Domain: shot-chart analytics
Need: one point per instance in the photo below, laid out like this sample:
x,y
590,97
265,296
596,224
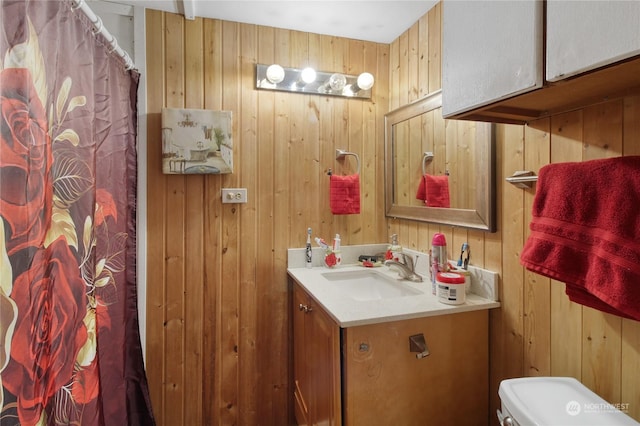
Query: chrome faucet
x,y
406,269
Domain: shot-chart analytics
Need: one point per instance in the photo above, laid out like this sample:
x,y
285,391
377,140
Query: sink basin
x,y
368,285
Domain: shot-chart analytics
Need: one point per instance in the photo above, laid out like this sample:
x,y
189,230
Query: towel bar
x,y
523,179
340,153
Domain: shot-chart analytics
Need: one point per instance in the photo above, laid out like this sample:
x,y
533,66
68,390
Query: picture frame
x,y
196,141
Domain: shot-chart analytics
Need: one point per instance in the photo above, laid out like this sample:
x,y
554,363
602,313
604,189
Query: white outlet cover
x,y
234,195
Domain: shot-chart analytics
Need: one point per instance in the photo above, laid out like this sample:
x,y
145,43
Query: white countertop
x,y
348,312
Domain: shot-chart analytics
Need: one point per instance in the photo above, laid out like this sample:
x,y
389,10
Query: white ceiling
x,y
373,20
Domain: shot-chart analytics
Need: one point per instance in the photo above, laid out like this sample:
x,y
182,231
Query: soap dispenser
x,y
394,252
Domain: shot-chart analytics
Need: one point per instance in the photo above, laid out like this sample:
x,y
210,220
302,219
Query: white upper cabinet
x,y
585,35
492,50
494,68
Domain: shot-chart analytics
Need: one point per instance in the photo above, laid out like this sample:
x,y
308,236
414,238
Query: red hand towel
x,y
344,194
585,232
434,191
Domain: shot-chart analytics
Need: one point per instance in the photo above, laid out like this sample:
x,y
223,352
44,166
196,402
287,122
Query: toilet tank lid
x,y
559,401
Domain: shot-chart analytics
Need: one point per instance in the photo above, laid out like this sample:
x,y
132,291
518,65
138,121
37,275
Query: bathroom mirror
x,y
419,142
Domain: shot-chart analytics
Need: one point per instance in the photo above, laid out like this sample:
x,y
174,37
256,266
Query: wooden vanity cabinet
x,y
316,363
374,378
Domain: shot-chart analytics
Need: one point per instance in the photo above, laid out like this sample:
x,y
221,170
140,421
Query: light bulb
x,y
275,74
308,75
337,82
365,81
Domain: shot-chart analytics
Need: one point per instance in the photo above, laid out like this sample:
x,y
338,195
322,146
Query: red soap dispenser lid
x,y
439,240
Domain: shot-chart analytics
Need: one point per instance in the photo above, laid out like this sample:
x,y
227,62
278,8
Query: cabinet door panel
x,y
316,358
300,359
324,369
386,384
492,50
585,35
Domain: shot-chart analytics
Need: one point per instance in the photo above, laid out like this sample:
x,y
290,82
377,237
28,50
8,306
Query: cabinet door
x,y
491,50
301,382
316,363
386,384
584,35
323,342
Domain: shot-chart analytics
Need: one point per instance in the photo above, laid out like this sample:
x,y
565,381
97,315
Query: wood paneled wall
x,y
218,302
218,320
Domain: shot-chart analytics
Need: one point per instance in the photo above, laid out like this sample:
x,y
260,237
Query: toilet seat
x,y
556,401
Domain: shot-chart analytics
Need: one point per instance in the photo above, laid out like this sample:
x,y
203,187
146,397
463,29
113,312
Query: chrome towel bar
x,y
523,179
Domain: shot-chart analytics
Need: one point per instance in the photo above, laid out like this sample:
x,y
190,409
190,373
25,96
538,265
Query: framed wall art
x,y
196,141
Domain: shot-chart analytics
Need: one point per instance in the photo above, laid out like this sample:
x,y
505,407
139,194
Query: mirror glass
x,y
425,155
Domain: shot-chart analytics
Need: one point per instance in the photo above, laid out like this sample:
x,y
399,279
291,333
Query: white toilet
x,y
556,401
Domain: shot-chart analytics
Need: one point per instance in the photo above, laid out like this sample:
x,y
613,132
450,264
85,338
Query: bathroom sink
x,y
368,285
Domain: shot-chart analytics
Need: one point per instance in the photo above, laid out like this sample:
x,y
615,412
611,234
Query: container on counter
x,y
450,288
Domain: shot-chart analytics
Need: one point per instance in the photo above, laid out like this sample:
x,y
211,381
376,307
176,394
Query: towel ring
x,y
427,156
340,153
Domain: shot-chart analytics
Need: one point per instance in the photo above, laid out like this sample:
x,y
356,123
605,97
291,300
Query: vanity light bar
x,y
311,82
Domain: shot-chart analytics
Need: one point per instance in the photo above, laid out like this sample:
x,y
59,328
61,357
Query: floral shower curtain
x,y
70,348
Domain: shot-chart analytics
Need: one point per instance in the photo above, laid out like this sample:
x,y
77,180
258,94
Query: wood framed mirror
x,y
419,142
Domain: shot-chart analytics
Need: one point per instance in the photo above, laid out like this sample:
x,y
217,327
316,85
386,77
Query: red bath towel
x,y
585,232
434,191
344,194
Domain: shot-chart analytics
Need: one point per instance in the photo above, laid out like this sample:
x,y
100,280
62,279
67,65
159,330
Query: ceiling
x,y
372,20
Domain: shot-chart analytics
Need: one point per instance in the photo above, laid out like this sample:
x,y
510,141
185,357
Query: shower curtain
x,y
70,348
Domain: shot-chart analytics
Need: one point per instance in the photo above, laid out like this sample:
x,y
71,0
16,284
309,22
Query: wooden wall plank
x,y
601,332
566,317
630,369
423,56
250,235
194,228
228,339
537,289
323,228
371,140
212,54
174,228
434,18
156,194
278,285
486,252
630,365
268,349
631,125
355,141
513,225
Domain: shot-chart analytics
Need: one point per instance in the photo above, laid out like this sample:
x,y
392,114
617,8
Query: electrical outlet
x,y
234,195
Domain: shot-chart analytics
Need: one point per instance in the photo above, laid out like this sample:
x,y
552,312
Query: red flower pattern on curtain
x,y
69,340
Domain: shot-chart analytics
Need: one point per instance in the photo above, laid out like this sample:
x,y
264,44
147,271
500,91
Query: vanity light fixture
x,y
310,81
